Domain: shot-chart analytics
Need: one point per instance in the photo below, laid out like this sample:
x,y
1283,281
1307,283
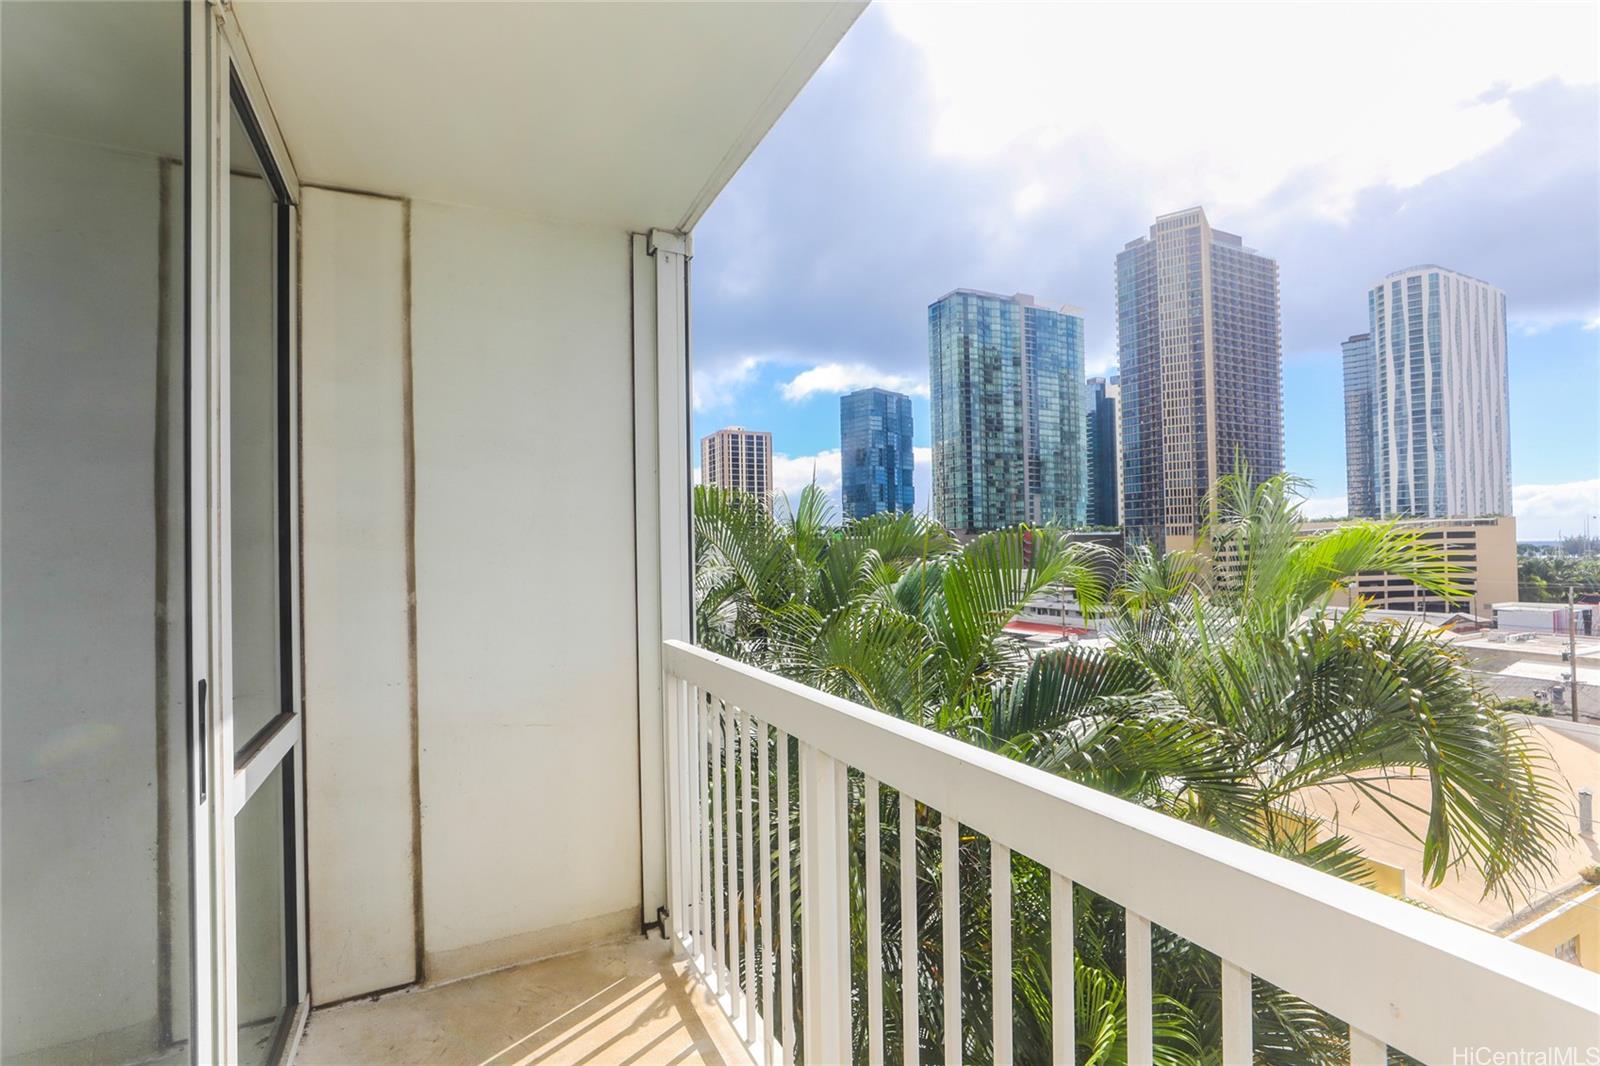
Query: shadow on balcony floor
x,y
625,1003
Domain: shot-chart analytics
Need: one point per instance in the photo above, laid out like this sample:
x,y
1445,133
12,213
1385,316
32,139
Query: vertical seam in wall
x,y
408,416
633,436
304,754
159,487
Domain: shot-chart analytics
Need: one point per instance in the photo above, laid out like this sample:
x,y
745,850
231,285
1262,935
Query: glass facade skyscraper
x,y
1105,486
1360,373
875,455
1201,358
1007,401
1442,439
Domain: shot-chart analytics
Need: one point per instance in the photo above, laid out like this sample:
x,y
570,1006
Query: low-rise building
x,y
1544,617
1484,549
1559,916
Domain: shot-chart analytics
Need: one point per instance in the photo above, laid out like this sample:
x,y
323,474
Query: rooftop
x,y
1524,605
1023,298
1421,267
1575,752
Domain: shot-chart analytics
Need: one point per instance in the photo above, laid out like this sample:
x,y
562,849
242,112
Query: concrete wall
x,y
525,600
1573,924
357,638
526,699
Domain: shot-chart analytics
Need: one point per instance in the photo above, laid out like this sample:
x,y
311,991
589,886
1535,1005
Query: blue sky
x,y
1001,147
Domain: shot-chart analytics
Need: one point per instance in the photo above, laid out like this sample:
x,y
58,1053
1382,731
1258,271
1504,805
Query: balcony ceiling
x,y
631,115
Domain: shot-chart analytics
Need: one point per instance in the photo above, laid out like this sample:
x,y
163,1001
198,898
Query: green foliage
x,y
1544,576
1226,698
1526,705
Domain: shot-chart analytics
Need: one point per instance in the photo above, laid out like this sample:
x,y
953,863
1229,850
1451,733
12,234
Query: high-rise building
x,y
875,456
738,458
1442,443
1359,410
1104,440
1007,401
1201,360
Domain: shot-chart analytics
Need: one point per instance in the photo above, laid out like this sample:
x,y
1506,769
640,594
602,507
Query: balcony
x,y
630,1002
784,800
354,726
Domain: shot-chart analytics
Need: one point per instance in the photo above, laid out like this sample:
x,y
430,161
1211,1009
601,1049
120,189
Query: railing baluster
x,y
730,878
769,998
1141,1021
702,936
825,905
785,1018
677,814
702,834
719,923
1366,1050
1238,1019
1000,939
950,916
910,1025
874,903
749,853
1063,997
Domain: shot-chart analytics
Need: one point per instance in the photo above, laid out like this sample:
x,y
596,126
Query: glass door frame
x,y
223,778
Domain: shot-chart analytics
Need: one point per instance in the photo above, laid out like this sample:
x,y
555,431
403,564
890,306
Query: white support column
x,y
824,906
662,518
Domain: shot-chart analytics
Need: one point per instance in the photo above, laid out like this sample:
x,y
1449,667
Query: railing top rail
x,y
1426,984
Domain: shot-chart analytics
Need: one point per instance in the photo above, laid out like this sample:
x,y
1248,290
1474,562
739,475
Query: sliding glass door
x,y
152,908
261,727
97,717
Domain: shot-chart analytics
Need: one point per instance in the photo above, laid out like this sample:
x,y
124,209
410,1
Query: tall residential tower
x,y
1359,409
1201,360
875,456
1441,439
738,458
1104,437
1007,402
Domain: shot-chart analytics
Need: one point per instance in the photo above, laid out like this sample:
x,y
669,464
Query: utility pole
x,y
1572,650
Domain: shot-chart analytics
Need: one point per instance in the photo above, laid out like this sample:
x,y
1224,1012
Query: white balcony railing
x,y
1402,977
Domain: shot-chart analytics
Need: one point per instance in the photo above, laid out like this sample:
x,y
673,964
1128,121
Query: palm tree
x,y
1228,694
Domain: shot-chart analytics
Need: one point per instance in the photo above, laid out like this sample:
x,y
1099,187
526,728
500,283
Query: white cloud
x,y
718,386
1547,511
1229,102
1313,507
839,378
790,474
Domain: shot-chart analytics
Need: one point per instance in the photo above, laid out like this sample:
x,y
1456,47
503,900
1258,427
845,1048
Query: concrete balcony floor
x,y
623,1003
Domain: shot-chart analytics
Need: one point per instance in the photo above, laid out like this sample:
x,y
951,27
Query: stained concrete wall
x,y
357,638
526,704
525,597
